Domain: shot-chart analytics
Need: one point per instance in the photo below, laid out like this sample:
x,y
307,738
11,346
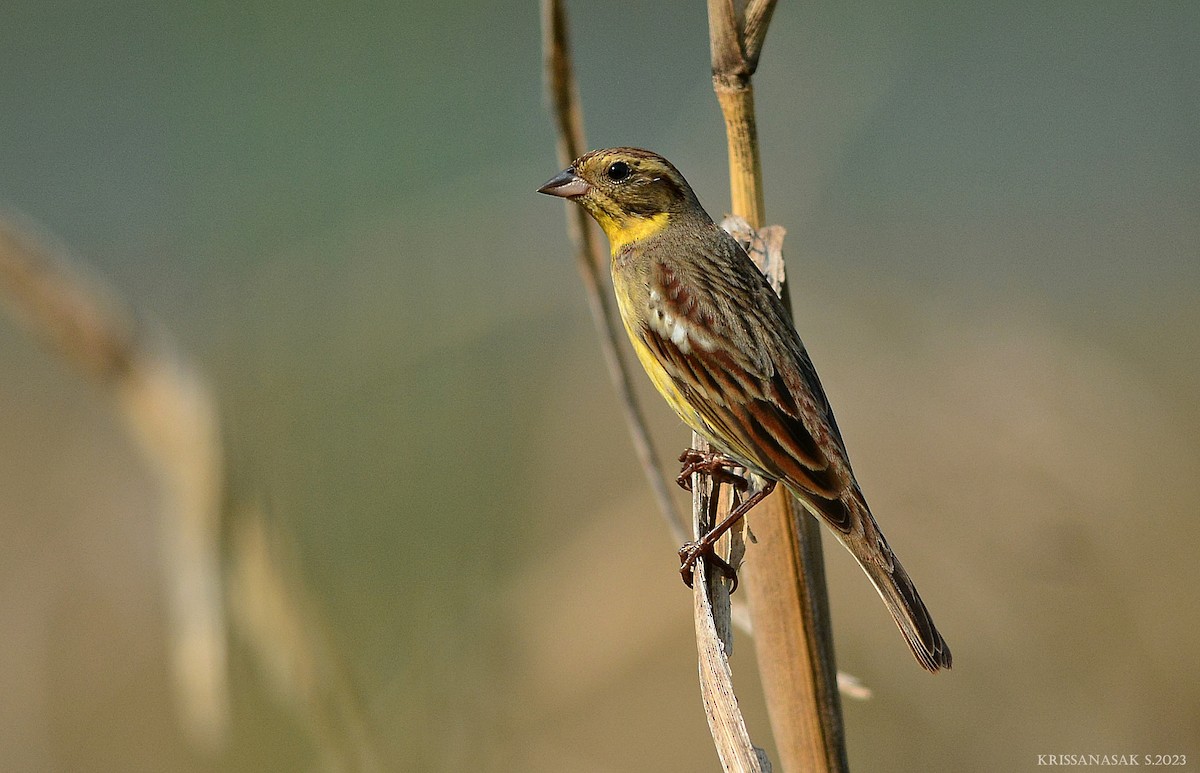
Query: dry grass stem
x,y
568,117
714,641
788,599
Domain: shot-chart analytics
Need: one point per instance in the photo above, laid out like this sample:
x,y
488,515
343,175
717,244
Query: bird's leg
x,y
716,464
692,551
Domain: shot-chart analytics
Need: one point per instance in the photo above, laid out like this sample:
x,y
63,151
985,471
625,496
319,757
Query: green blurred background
x,y
994,218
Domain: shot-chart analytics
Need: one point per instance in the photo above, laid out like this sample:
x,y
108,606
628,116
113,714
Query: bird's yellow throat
x,y
627,230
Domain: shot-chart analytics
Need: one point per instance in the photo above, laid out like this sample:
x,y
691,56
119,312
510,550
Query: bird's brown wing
x,y
743,368
741,365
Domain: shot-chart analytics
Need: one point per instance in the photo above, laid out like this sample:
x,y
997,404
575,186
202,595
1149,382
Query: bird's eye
x,y
618,171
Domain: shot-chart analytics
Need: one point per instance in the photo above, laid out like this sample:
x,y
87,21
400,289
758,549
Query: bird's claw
x,y
691,552
713,463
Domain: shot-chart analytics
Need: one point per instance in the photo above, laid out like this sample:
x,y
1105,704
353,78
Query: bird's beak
x,y
566,184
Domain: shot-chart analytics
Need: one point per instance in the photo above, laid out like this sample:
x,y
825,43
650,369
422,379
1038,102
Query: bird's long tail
x,y
852,523
902,600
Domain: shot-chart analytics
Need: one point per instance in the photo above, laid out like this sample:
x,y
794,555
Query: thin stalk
x,y
786,584
568,117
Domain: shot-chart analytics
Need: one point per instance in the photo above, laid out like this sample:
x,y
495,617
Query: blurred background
x,y
993,216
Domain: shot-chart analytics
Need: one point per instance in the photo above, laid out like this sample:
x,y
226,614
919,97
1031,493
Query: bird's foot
x,y
691,552
713,463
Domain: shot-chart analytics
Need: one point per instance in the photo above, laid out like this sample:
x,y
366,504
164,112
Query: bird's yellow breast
x,y
659,376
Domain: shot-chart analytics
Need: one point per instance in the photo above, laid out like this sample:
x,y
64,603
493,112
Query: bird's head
x,y
631,193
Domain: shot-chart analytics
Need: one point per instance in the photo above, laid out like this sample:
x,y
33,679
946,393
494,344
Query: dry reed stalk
x,y
789,603
568,118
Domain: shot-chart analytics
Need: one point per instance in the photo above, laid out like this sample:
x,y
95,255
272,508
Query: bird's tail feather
x,y
910,614
849,518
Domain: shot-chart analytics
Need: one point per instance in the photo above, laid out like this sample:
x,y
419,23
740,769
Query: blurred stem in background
x,y
170,411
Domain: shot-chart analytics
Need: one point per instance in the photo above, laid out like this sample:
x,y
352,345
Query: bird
x,y
719,345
